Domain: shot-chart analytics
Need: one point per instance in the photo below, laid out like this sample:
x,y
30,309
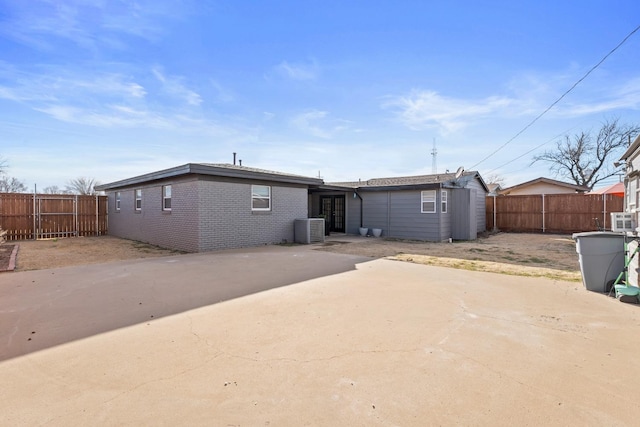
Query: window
x,y
260,198
443,200
117,201
166,198
428,201
138,193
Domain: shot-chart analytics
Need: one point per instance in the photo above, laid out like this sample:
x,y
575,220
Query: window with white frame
x,y
443,201
260,198
166,197
138,197
428,201
118,201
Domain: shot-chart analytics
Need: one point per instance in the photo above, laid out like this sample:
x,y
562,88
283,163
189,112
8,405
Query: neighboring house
x,y
631,161
542,186
201,207
616,189
428,207
494,189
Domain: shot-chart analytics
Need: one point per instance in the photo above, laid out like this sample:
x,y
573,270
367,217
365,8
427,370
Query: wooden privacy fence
x,y
43,216
552,213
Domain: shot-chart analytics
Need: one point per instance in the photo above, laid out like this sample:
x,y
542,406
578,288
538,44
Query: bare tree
x,y
587,159
82,185
494,178
11,185
54,189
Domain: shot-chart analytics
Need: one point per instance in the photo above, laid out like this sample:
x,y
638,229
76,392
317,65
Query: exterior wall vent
x,y
623,221
309,230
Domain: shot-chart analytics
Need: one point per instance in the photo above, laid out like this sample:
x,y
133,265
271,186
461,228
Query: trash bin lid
x,y
598,234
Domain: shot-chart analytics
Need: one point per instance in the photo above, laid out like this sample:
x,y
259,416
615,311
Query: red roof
x,y
616,189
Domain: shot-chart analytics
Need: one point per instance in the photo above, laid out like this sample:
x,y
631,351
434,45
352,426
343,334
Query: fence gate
x,y
56,216
47,216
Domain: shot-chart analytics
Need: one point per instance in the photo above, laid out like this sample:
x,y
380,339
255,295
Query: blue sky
x,y
349,90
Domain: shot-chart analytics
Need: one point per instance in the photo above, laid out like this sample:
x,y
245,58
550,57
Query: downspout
x,y
359,197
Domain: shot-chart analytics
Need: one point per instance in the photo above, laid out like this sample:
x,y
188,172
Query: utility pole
x,y
434,160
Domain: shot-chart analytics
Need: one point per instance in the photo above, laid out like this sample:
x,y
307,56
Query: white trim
x,y
428,196
443,201
166,198
256,197
136,198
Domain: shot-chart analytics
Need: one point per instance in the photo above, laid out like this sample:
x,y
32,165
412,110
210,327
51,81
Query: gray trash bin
x,y
601,255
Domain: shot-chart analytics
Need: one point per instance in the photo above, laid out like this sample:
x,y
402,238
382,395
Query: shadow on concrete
x,y
45,308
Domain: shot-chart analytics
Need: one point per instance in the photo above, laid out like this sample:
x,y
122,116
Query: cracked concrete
x,y
388,343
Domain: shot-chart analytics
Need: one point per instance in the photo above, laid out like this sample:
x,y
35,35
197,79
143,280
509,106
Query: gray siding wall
x,y
176,229
227,221
464,214
446,219
353,214
376,208
398,214
481,208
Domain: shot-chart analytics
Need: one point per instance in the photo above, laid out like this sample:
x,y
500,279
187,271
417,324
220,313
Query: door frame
x,y
333,224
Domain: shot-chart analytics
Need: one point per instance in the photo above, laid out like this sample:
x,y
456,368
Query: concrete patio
x,y
353,342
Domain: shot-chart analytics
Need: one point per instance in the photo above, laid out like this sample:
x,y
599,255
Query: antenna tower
x,y
434,160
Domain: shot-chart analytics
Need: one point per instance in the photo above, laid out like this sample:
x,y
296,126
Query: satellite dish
x,y
459,172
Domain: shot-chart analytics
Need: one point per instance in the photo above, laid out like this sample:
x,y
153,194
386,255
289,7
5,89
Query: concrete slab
x,y
389,343
40,309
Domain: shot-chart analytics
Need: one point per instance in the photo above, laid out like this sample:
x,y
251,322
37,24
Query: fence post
x,y
495,214
604,211
543,218
35,213
97,220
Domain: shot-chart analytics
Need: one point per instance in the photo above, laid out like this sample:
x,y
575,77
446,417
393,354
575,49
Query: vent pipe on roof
x,y
234,158
240,161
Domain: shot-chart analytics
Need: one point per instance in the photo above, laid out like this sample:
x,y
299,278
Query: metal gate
x,y
55,216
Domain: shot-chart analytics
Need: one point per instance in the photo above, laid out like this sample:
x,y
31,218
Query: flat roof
x,y
213,169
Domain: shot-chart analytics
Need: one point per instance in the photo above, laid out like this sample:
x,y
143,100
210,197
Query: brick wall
x,y
227,221
176,229
207,215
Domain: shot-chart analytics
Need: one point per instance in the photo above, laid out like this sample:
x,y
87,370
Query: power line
x,y
559,99
533,149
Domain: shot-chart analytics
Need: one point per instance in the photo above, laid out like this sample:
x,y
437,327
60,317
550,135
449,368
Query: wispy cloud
x,y
317,123
623,97
428,109
85,23
299,71
49,84
174,86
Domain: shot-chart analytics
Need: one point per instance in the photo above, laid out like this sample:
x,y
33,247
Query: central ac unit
x,y
309,230
623,221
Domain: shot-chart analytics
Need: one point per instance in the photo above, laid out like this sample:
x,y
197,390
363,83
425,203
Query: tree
x,y
82,185
54,189
494,178
587,159
11,185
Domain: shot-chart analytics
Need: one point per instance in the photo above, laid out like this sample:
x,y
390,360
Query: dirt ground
x,y
53,253
538,255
